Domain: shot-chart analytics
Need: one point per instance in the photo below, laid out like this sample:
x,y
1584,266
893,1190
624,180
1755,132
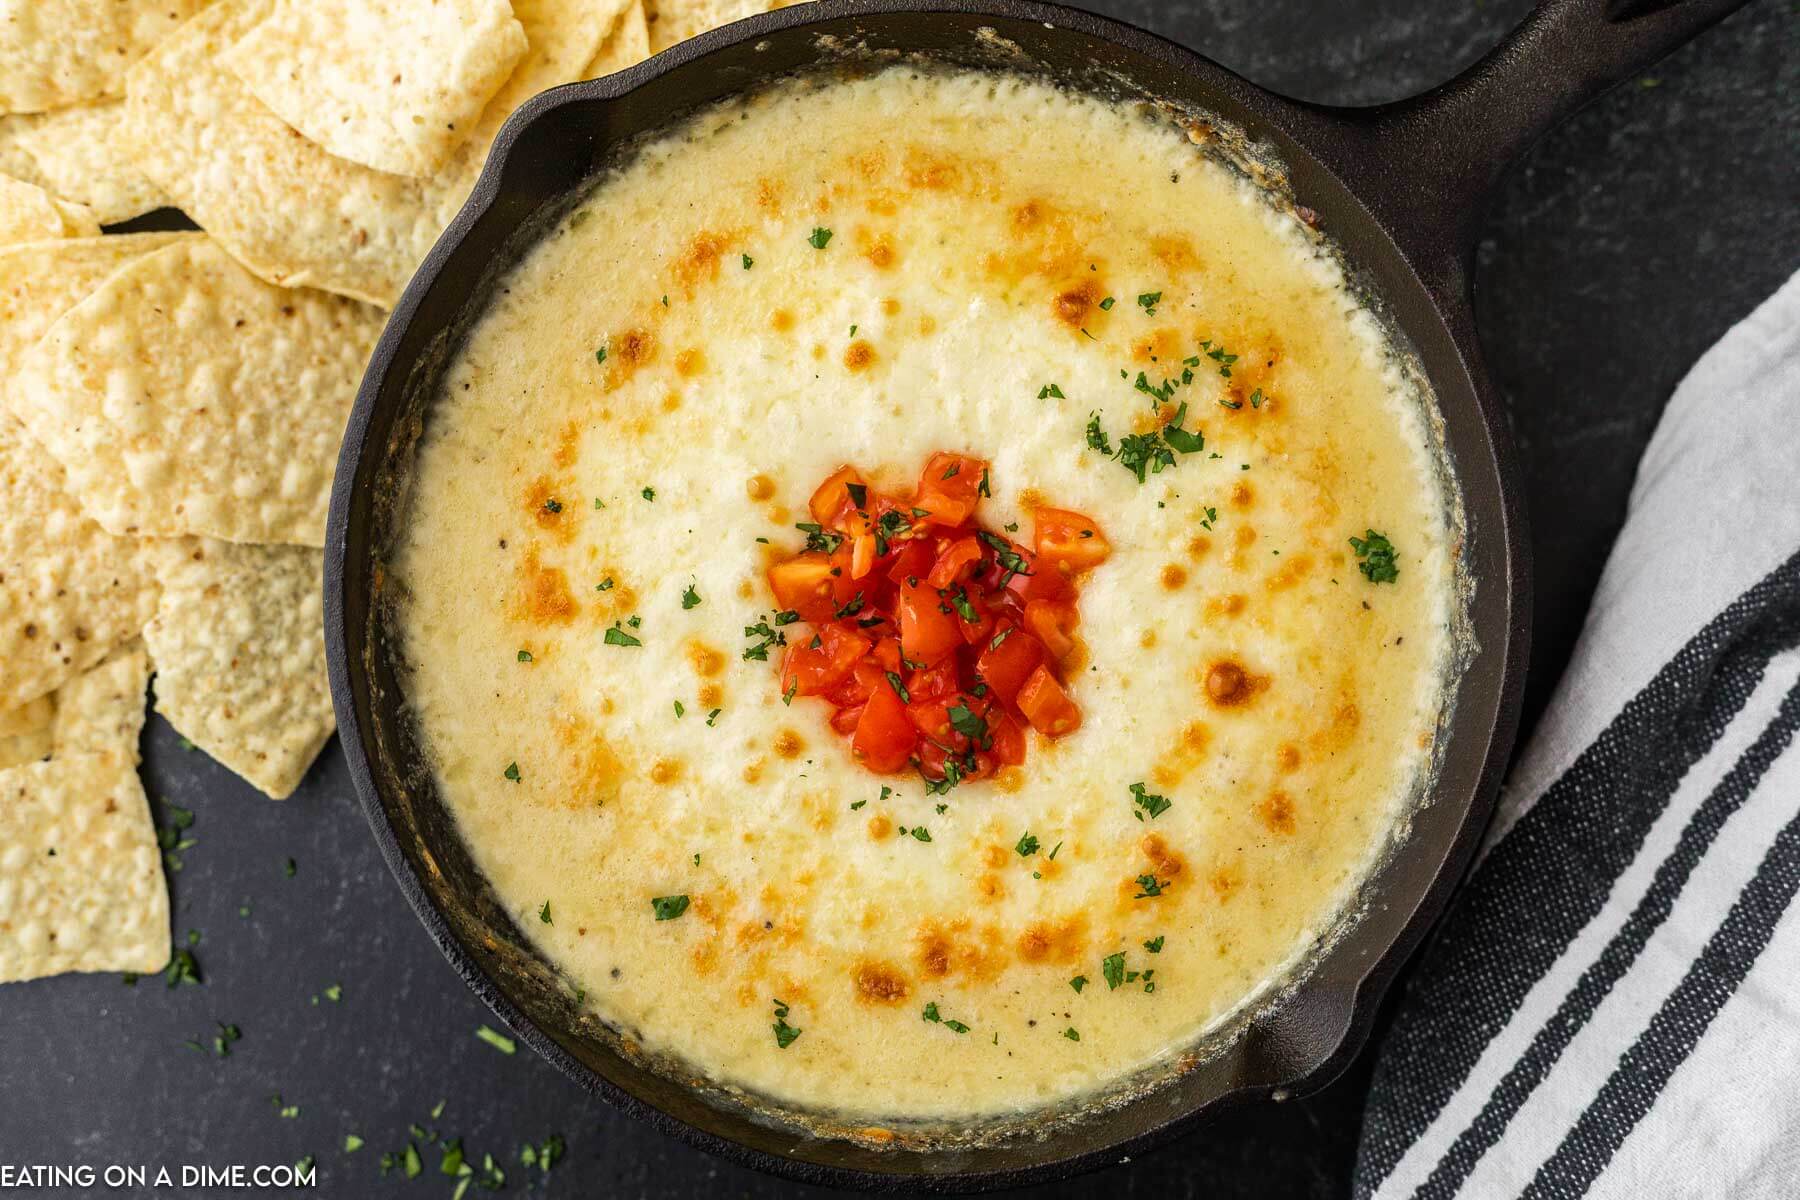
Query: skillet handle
x,y
1427,164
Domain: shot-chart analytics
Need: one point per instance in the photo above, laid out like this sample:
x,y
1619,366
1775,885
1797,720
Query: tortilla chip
x,y
40,281
80,153
58,52
239,647
102,710
674,21
392,84
15,159
69,591
627,44
30,214
25,732
184,395
291,212
81,882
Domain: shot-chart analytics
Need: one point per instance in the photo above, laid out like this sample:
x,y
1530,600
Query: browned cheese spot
x,y
789,744
544,596
665,770
1277,812
1059,941
1287,756
700,261
1073,305
1174,577
551,507
880,826
759,487
627,352
880,983
690,362
859,355
781,320
1229,685
706,660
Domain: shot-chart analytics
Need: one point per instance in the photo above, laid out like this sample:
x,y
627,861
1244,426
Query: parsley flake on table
x,y
498,1041
1377,557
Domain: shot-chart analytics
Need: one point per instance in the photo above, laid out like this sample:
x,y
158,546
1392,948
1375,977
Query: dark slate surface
x,y
1629,240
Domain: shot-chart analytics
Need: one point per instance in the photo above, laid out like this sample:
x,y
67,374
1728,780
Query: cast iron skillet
x,y
1398,188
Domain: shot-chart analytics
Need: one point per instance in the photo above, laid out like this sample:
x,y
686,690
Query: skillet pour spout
x,y
1397,189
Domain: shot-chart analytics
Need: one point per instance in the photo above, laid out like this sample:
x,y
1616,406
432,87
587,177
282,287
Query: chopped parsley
x,y
1148,302
691,597
648,493
605,585
512,772
1145,802
1106,304
544,914
1378,557
616,636
524,656
1071,1034
1096,436
819,237
1028,846
498,1041
784,1033
931,1014
667,908
894,682
1220,355
1079,982
680,710
748,262
1050,391
769,637
553,505
971,725
1148,886
600,355
921,834
1010,560
959,598
1112,968
1155,944
819,538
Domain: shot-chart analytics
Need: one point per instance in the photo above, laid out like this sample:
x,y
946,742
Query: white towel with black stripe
x,y
1612,1008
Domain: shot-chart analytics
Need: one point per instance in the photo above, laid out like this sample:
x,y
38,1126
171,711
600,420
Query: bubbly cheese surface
x,y
866,271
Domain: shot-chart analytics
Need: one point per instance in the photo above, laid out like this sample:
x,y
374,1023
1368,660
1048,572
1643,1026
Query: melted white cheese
x,y
975,222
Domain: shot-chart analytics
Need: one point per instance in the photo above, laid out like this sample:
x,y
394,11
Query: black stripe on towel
x,y
1652,910
1677,1027
1548,877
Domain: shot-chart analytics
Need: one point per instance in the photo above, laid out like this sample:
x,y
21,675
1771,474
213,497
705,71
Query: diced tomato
x,y
1047,706
927,632
809,669
1069,541
1007,739
831,502
1038,581
1053,623
805,584
956,563
944,679
912,561
934,640
949,488
884,737
1007,660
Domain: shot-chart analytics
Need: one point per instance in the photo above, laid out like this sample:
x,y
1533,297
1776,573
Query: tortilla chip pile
x,y
171,403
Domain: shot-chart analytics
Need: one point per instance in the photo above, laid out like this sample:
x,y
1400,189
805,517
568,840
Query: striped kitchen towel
x,y
1612,1007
